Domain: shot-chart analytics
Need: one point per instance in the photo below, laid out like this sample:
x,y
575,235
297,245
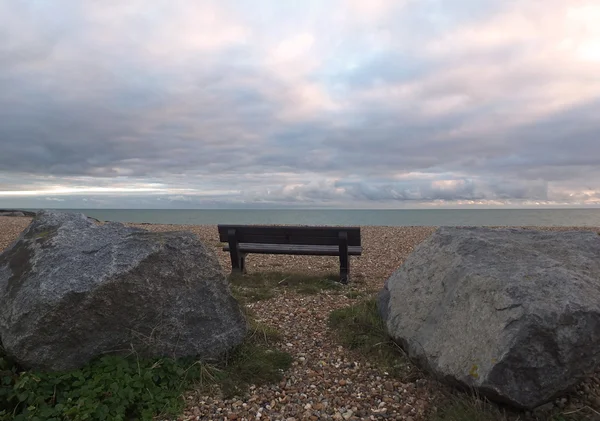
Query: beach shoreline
x,y
325,379
384,249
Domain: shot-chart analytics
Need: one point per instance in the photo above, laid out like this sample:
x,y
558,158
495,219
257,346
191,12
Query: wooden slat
x,y
290,234
300,249
290,239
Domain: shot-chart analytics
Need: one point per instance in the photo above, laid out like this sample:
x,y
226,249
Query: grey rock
x,y
512,313
547,407
383,299
71,290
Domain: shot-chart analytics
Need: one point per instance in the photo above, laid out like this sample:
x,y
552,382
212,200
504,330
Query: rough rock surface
x,y
71,290
513,313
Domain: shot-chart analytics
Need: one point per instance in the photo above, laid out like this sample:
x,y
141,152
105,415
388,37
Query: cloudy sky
x,y
350,103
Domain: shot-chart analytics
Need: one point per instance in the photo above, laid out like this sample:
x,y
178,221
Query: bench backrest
x,y
268,234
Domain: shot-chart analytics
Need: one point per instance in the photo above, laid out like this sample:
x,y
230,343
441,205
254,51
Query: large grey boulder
x,y
71,290
512,313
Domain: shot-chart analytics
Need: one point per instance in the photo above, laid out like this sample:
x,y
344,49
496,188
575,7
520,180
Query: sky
x,y
311,103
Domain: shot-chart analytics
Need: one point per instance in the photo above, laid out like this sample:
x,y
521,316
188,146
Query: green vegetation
x,y
353,294
131,388
469,407
264,285
261,333
252,364
360,328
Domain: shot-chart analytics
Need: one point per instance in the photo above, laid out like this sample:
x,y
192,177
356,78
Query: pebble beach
x,y
326,381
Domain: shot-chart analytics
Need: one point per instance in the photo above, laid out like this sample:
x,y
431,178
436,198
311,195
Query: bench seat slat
x,y
290,234
301,249
290,239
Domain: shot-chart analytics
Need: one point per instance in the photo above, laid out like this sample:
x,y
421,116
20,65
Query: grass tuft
x,y
459,406
247,295
353,295
469,407
360,328
261,333
259,286
253,364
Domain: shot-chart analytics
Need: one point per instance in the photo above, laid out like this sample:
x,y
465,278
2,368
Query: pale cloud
x,y
293,48
372,12
173,30
538,45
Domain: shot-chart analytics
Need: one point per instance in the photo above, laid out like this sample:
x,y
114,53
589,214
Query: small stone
x,y
342,382
348,414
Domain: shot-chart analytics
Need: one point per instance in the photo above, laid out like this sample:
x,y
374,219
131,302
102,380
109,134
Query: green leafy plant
x,y
131,388
109,387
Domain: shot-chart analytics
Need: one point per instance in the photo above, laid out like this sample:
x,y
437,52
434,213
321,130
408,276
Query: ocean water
x,y
404,217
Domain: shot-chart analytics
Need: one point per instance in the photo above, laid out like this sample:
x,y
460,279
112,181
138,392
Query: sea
x,y
354,217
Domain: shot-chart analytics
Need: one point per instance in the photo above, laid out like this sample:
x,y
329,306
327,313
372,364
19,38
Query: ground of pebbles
x,y
326,381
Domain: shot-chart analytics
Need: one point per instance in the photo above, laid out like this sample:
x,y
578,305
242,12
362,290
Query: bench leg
x,y
243,262
344,258
238,262
344,269
238,259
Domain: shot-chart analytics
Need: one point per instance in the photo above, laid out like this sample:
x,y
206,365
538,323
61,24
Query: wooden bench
x,y
316,241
